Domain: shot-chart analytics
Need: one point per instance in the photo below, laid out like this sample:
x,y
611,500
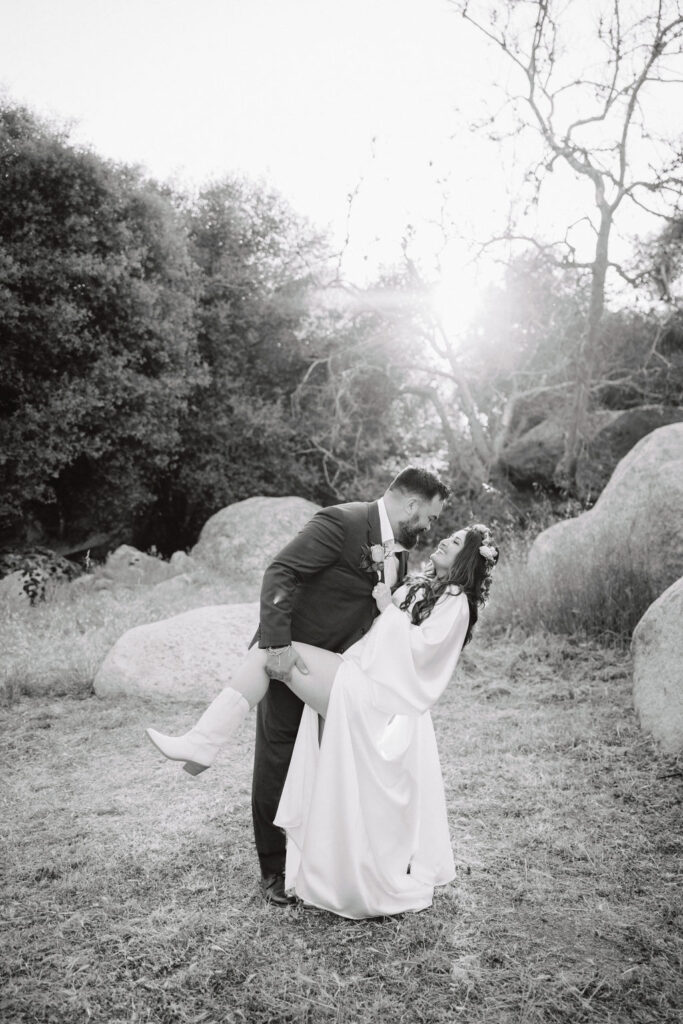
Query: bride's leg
x,y
315,688
199,746
250,679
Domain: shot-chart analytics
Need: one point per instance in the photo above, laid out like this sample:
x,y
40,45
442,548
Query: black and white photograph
x,y
341,511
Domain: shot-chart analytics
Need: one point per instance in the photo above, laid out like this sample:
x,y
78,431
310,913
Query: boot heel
x,y
193,768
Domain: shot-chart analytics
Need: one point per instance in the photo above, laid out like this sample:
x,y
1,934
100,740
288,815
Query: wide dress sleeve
x,y
409,666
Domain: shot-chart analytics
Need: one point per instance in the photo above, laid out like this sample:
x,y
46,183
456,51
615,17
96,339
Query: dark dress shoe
x,y
274,891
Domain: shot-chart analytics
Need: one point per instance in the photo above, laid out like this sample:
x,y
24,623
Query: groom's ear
x,y
411,503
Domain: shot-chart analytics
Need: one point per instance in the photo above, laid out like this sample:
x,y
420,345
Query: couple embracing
x,y
348,803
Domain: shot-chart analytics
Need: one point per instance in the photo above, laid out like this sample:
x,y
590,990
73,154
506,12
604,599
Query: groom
x,y
318,590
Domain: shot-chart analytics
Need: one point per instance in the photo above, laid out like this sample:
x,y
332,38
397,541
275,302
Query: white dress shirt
x,y
390,544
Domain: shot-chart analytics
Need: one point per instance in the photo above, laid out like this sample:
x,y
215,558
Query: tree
x,y
346,401
588,98
97,335
461,402
152,347
239,436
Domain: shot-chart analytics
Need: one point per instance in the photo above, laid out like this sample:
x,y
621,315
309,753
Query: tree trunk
x,y
587,355
480,443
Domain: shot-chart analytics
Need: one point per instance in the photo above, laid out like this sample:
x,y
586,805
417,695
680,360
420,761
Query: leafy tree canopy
x,y
97,331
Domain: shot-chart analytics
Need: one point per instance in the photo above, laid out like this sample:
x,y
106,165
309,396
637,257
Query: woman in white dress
x,y
364,808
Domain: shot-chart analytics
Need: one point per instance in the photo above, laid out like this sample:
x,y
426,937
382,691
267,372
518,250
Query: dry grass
x,y
57,646
583,598
130,889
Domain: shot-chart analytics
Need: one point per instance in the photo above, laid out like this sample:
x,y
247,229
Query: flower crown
x,y
487,549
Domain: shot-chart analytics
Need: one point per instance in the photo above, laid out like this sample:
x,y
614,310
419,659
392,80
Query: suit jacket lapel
x,y
374,528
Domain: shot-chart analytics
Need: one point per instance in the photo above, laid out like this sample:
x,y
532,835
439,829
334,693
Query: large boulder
x,y
614,440
192,655
530,409
242,539
531,459
657,647
634,530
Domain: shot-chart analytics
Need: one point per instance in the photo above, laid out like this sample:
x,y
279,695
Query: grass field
x,y
130,892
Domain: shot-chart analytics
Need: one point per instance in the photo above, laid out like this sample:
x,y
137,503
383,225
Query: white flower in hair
x,y
488,552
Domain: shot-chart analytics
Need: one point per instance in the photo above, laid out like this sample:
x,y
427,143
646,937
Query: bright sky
x,y
294,91
316,97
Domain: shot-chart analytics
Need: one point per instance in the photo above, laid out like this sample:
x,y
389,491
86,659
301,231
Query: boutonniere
x,y
372,559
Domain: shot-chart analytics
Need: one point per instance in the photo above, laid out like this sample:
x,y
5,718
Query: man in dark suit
x,y
318,590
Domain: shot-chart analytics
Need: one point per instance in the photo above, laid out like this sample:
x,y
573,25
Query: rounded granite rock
x,y
657,647
634,530
188,656
242,539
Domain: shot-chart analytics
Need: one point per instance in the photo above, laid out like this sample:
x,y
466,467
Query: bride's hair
x,y
470,572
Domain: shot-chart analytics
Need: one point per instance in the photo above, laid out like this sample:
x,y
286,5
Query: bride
x,y
363,807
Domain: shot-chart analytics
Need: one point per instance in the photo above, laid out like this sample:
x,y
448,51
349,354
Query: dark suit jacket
x,y
315,590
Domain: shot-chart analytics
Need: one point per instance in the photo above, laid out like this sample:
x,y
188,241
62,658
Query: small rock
x,y
497,691
12,593
181,562
129,567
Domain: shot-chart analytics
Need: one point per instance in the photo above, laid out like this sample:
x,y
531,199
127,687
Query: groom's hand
x,y
281,660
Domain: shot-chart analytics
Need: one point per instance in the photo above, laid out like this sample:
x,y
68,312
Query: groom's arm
x,y
316,547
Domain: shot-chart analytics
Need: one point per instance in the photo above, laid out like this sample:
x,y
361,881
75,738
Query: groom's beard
x,y
409,532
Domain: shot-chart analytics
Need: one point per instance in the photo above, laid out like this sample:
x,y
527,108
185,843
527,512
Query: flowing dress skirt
x,y
364,809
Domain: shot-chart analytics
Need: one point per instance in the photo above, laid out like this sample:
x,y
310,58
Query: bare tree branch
x,y
636,55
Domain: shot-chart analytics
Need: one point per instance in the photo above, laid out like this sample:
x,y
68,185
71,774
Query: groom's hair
x,y
413,480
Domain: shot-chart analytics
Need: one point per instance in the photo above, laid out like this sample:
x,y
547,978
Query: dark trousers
x,y
277,723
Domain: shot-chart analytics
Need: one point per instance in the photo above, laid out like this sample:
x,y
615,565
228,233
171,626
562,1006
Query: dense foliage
x,y
98,341
166,355
153,347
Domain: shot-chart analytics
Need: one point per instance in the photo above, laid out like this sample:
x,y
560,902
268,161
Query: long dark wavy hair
x,y
470,573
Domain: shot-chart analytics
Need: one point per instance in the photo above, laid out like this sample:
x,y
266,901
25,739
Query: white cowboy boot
x,y
199,746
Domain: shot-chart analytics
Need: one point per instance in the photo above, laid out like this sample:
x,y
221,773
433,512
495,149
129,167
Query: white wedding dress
x,y
364,810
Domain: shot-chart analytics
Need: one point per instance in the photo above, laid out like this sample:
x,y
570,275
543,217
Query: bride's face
x,y
447,551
